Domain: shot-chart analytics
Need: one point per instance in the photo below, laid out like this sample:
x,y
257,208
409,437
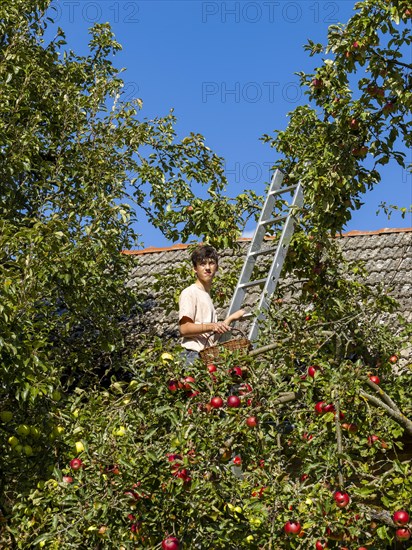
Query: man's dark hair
x,y
204,252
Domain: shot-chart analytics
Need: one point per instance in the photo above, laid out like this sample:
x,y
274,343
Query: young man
x,y
198,324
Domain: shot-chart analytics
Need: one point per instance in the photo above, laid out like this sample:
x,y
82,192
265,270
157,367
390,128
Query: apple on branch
x,y
187,382
216,402
252,421
76,464
402,533
312,370
400,517
317,83
388,108
233,401
292,527
170,543
341,498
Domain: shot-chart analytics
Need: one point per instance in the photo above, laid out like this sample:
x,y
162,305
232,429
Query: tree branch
x,y
399,417
338,437
384,396
292,396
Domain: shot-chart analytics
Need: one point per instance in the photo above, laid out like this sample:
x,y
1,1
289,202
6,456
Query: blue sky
x,y
227,68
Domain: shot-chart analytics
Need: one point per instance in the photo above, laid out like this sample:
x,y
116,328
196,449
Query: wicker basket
x,y
212,353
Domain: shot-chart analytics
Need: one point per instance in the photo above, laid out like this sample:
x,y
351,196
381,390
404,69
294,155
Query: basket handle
x,y
232,329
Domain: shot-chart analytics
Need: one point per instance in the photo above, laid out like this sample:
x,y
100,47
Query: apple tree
x,y
359,115
77,163
297,445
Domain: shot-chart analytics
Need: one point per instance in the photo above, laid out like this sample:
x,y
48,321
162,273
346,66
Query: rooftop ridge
x,y
353,233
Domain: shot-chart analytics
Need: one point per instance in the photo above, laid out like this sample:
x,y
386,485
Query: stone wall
x,y
387,256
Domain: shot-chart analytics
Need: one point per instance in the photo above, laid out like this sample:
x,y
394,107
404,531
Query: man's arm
x,y
188,328
235,316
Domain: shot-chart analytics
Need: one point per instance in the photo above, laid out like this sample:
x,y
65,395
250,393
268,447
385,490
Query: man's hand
x,y
221,327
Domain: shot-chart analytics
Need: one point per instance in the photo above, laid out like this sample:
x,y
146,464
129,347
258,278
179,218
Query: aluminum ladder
x,y
255,250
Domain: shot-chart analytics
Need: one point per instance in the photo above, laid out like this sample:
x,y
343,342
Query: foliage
x,y
74,157
359,116
159,460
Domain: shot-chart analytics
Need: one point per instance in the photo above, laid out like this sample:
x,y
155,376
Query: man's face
x,y
206,270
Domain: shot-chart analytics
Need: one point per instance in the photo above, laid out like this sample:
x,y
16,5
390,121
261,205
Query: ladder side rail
x,y
266,211
255,245
277,264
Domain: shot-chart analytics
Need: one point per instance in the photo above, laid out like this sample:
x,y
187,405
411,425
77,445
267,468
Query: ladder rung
x,y
273,220
283,190
252,283
263,252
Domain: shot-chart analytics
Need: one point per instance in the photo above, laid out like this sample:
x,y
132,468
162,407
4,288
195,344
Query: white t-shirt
x,y
196,304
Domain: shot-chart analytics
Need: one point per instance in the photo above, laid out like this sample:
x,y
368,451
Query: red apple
x,y
76,464
170,543
245,389
354,124
352,428
259,493
319,407
312,370
187,382
372,90
317,83
402,533
329,408
67,479
173,457
183,474
342,499
321,545
216,402
173,385
372,439
233,401
400,517
375,379
388,108
252,421
360,151
236,371
393,359
237,460
292,527
212,368
113,469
